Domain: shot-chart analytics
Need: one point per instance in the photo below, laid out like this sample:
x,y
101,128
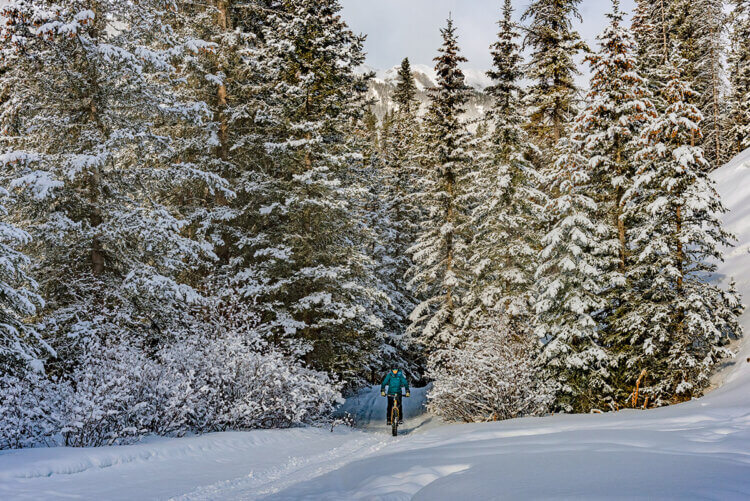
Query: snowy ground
x,y
697,450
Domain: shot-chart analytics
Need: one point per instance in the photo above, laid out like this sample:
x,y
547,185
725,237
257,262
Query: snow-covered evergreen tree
x,y
305,264
618,106
441,271
679,321
570,282
604,141
405,95
19,342
210,73
651,33
88,109
737,128
507,220
697,32
402,213
552,98
115,165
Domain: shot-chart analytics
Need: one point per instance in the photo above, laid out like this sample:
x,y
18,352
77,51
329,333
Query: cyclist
x,y
394,380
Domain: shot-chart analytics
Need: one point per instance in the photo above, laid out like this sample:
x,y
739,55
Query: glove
x,y
408,394
382,393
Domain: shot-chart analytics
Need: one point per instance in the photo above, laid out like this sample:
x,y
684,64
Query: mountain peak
x,y
426,77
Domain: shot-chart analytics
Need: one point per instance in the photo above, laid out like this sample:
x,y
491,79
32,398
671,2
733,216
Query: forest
x,y
205,227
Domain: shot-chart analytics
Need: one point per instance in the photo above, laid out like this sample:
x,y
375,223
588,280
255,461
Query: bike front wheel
x,y
394,421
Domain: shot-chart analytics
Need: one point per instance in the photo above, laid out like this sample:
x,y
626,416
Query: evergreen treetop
x,y
406,89
440,274
552,96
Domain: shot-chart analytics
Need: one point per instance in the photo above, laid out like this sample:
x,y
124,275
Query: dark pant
x,y
397,399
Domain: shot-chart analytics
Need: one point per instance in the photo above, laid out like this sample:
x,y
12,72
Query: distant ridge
x,y
383,86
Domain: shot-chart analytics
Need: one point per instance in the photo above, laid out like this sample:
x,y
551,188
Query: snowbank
x,y
733,183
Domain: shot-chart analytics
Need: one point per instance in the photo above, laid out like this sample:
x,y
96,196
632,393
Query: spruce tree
x,y
697,33
228,76
498,351
608,129
737,128
402,212
213,37
650,28
508,218
440,273
371,209
570,281
619,106
604,143
405,95
696,30
20,343
305,265
88,108
552,96
680,322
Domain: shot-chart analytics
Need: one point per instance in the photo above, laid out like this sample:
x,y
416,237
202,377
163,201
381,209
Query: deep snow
x,y
696,450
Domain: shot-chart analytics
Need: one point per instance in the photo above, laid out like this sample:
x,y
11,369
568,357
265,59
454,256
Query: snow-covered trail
x,y
699,450
368,410
189,468
696,450
370,438
216,466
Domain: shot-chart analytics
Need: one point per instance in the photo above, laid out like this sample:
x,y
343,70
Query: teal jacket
x,y
394,382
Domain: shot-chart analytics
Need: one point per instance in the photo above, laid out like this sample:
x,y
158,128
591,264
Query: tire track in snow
x,y
296,469
368,409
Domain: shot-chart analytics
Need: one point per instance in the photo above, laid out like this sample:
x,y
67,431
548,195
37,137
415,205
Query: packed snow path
x,y
217,466
697,450
368,411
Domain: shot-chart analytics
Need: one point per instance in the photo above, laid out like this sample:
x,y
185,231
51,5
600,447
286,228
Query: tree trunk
x,y
225,23
680,252
665,45
717,124
556,128
618,214
96,255
450,215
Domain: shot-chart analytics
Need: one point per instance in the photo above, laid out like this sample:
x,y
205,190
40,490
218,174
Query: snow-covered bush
x,y
227,383
493,376
110,398
219,375
232,377
30,410
116,391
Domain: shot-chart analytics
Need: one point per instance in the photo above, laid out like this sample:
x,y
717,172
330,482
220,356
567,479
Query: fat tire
x,y
394,420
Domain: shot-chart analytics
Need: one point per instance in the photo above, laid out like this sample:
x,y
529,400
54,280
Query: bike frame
x,y
394,414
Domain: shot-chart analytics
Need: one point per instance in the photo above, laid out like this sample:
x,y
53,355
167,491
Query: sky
x,y
411,28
